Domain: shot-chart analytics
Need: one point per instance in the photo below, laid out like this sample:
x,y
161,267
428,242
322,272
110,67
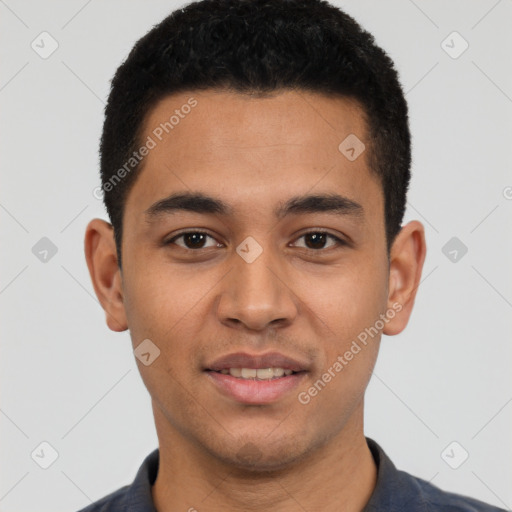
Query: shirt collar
x,y
394,490
139,497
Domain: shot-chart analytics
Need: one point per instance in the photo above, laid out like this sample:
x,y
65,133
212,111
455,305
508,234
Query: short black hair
x,y
258,47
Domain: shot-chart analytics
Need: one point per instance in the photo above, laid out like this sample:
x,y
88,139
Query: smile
x,y
256,373
253,386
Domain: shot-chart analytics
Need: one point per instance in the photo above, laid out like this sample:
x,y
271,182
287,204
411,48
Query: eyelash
x,y
339,241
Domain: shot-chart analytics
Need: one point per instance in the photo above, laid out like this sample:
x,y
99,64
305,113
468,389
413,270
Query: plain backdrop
x,y
68,381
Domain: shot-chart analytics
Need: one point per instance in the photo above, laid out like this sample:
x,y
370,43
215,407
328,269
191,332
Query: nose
x,y
257,294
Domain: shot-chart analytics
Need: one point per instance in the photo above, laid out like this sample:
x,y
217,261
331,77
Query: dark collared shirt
x,y
395,491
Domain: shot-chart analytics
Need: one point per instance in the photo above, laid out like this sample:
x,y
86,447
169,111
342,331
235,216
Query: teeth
x,y
264,373
253,373
278,372
249,373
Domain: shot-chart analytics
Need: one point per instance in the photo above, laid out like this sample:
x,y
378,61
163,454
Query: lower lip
x,y
249,391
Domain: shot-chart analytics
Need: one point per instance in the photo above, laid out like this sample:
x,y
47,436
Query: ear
x,y
101,256
407,256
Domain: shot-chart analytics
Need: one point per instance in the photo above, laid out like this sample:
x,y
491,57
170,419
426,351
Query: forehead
x,y
254,150
226,120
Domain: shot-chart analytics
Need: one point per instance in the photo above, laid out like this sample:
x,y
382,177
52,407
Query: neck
x,y
341,475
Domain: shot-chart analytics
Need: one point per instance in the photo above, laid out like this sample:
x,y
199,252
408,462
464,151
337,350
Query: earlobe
x,y
406,264
101,257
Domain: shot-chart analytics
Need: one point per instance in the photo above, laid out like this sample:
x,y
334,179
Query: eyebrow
x,y
197,202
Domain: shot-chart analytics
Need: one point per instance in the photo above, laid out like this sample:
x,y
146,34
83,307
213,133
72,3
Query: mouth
x,y
256,379
257,373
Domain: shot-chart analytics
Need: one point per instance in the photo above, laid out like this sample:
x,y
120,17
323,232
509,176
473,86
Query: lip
x,y
267,360
253,391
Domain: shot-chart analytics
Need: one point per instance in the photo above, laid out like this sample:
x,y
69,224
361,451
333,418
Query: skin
x,y
306,302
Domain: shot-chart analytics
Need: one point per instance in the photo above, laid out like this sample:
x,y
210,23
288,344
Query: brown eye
x,y
317,240
193,240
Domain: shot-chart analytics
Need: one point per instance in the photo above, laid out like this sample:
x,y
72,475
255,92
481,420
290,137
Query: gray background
x,y
69,381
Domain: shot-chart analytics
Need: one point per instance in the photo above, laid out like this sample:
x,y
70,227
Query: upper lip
x,y
267,360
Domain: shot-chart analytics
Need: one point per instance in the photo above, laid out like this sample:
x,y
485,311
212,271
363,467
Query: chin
x,y
262,456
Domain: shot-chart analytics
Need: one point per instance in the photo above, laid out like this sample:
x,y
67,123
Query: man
x,y
255,161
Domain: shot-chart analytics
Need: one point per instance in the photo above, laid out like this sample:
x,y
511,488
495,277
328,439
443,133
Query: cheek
x,y
349,352
159,299
355,301
161,309
167,307
350,300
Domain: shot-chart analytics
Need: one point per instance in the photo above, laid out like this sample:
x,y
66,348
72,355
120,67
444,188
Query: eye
x,y
193,240
316,240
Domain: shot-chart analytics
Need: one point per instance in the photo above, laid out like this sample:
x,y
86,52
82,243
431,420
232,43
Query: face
x,y
281,264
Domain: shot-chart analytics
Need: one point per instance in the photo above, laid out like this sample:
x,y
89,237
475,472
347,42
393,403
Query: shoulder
x,y
437,499
113,502
398,490
136,497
